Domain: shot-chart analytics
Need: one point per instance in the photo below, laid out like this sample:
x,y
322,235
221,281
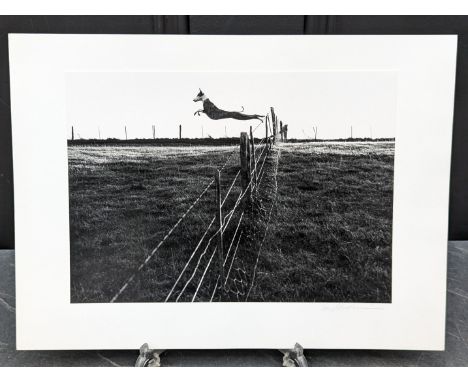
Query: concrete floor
x,y
456,353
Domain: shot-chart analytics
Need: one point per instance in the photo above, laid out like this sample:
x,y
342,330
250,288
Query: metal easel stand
x,y
152,358
294,357
148,357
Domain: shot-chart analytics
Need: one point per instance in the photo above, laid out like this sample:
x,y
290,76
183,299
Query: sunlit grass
x,y
331,237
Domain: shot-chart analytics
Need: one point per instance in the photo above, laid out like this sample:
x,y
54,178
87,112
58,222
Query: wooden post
x,y
274,122
273,115
266,129
180,131
244,162
154,131
274,132
73,134
249,169
285,130
219,224
254,162
276,126
281,131
126,133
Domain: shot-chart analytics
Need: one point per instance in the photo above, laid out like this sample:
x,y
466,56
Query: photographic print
x,y
231,186
215,195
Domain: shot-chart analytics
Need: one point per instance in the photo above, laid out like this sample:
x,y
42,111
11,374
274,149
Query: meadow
x,y
331,237
328,240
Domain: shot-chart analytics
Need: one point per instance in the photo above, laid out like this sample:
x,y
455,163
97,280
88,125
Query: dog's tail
x,y
259,117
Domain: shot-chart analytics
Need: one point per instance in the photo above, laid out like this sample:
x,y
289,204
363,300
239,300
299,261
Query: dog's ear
x,y
200,93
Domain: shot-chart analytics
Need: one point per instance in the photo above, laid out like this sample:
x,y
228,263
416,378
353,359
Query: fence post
x,y
245,171
73,134
273,123
277,125
254,162
273,115
180,131
281,131
219,224
249,169
266,128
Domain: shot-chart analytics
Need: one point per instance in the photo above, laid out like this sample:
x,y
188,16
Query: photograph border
x,y
415,320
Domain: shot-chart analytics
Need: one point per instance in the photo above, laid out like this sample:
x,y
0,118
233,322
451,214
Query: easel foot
x,y
148,357
294,357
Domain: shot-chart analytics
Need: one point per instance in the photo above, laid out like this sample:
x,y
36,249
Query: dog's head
x,y
200,96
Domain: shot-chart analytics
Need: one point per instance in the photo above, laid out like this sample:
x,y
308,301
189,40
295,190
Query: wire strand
x,y
168,234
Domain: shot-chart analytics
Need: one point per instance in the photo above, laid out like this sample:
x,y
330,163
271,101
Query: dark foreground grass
x,y
329,237
123,200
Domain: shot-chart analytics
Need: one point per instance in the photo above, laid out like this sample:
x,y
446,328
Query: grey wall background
x,y
458,221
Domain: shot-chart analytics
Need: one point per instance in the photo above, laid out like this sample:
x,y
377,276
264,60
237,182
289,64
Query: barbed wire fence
x,y
223,263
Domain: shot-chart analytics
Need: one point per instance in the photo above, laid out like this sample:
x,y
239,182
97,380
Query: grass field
x,y
329,238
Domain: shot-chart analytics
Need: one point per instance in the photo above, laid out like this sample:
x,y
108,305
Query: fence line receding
x,y
223,263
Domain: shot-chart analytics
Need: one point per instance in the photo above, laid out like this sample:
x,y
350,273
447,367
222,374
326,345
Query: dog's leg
x,y
198,112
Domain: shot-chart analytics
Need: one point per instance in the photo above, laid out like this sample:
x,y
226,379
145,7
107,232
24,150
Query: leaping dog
x,y
213,112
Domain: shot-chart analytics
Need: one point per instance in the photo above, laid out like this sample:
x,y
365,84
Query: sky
x,y
104,103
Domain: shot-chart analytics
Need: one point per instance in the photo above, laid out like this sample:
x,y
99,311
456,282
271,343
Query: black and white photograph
x,y
231,186
229,202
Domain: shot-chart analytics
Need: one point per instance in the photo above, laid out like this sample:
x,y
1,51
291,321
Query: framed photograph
x,y
231,191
